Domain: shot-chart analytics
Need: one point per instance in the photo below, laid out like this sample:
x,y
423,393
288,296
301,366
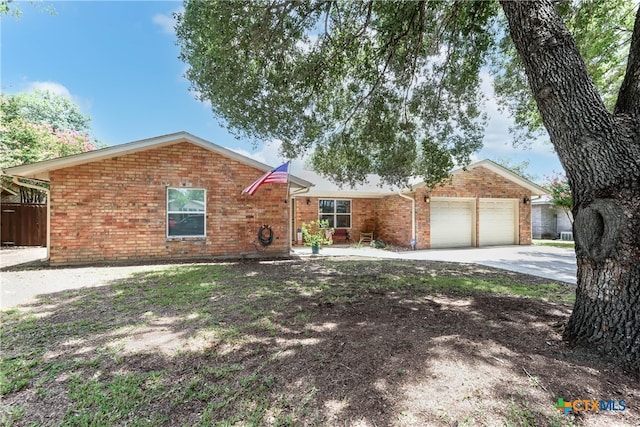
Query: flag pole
x,y
288,180
290,207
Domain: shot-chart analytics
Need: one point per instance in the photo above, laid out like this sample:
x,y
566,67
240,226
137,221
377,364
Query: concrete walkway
x,y
542,261
22,286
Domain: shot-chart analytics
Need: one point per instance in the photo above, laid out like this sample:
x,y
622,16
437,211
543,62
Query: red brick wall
x,y
475,183
393,217
361,211
304,212
363,214
393,213
115,210
423,220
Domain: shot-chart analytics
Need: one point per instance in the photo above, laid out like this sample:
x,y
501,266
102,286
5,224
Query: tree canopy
x,y
602,32
558,187
41,125
391,88
42,107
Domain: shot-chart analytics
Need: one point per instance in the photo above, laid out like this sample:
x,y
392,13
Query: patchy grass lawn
x,y
305,342
555,244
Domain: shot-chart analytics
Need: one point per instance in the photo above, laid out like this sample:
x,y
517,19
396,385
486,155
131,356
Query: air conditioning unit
x,y
566,235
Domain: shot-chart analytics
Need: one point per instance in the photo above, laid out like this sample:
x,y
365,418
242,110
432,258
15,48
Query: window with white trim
x,y
186,212
336,211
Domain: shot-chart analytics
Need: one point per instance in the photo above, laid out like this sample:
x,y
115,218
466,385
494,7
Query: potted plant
x,y
316,234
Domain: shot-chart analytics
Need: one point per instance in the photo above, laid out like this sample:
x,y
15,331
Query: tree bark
x,y
600,152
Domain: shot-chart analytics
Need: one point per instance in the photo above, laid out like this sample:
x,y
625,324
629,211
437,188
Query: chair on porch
x,y
367,233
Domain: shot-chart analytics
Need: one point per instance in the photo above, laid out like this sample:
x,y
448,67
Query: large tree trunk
x,y
600,152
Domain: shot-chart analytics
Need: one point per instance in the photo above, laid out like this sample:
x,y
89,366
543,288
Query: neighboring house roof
x,y
545,200
40,170
542,200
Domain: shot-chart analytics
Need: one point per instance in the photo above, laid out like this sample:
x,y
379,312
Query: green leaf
x,y
390,88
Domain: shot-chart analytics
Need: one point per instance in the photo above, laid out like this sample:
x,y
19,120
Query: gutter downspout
x,y
413,217
16,180
300,191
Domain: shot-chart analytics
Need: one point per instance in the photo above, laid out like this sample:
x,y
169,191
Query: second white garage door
x,y
452,223
498,222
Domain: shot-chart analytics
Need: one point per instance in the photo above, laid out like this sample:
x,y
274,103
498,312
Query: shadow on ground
x,y
305,342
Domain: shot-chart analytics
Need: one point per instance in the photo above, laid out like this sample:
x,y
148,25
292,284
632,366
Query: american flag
x,y
279,175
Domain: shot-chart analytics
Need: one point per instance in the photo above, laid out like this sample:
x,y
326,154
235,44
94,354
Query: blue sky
x,y
118,61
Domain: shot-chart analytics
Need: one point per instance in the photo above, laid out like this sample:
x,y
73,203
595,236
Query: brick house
x,y
483,205
171,197
550,222
178,196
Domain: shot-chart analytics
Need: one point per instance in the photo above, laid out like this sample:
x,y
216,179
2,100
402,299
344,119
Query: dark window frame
x,y
335,214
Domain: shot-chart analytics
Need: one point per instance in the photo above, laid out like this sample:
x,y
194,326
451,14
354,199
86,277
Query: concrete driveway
x,y
16,256
542,261
21,287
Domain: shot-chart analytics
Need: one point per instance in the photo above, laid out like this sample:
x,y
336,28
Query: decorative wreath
x,y
264,238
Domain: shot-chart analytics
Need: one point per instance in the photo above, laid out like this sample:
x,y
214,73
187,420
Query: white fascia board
x,y
506,173
346,195
42,168
349,194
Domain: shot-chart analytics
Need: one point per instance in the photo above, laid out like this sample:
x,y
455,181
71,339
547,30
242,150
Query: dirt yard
x,y
307,342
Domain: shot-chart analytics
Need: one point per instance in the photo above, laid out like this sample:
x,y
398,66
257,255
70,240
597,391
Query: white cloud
x,y
197,94
52,87
84,104
166,21
268,153
497,138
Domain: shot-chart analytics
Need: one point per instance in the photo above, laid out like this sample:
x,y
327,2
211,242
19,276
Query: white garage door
x,y
498,222
451,223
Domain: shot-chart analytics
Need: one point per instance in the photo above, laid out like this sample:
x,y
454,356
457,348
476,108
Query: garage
x,y
498,222
452,223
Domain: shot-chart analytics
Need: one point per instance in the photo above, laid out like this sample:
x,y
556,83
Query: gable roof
x,y
373,188
535,189
542,200
40,170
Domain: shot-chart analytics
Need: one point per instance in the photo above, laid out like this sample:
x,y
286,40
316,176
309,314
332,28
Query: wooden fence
x,y
23,225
